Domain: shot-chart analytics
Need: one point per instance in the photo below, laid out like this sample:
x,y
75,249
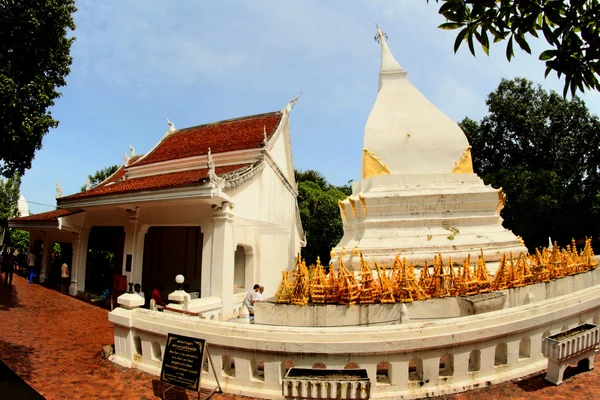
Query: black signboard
x,y
182,362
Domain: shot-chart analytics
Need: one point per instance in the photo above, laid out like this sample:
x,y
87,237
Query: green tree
x,y
311,176
19,240
544,151
34,61
9,198
320,214
570,27
101,175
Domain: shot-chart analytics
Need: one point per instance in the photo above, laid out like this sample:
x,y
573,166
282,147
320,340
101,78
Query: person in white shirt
x,y
138,290
31,257
261,294
251,298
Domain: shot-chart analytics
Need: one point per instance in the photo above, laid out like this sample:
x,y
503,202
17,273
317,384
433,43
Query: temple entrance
x,y
104,257
169,251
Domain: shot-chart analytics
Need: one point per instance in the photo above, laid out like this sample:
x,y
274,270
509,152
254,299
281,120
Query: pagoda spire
x,y
388,62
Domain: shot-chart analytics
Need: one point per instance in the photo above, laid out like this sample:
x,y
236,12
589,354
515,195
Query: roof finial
x,y
380,35
294,100
292,104
388,62
88,184
131,151
171,127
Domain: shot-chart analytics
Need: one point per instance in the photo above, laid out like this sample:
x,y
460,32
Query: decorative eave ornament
x,y
171,129
131,151
88,184
213,178
126,158
59,191
288,108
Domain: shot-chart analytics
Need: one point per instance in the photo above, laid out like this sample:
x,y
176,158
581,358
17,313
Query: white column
x,y
80,251
131,235
137,262
46,254
222,265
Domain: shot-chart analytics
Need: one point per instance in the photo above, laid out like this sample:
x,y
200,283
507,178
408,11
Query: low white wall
x,y
479,350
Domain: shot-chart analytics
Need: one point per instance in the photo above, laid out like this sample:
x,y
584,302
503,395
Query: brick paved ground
x,y
53,342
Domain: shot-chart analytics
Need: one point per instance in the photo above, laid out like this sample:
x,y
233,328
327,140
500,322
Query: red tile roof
x,y
153,182
47,216
223,136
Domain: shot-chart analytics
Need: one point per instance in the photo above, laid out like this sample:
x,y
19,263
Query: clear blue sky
x,y
137,62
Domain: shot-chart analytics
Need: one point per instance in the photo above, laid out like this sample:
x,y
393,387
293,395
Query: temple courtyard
x,y
53,342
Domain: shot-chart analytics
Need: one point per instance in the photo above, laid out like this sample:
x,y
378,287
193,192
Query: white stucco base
x,y
419,216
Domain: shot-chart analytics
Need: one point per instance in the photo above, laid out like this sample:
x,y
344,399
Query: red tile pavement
x,y
53,342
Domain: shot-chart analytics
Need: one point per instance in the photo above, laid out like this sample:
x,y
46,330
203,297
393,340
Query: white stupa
x,y
23,206
418,195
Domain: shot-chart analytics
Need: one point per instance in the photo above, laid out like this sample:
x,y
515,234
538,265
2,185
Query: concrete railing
x,y
410,360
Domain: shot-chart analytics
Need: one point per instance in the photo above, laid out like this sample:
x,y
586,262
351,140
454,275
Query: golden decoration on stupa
x,y
284,292
300,289
368,290
347,286
318,283
401,284
372,165
342,209
465,164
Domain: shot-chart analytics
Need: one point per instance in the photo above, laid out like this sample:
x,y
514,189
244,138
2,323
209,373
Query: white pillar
x,y
46,254
223,260
80,251
137,261
130,236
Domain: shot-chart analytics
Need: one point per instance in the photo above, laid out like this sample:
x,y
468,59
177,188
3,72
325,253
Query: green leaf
x,y
509,49
470,42
522,43
547,55
459,38
450,26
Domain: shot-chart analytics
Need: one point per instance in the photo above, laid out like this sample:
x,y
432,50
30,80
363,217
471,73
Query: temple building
x,y
215,203
418,194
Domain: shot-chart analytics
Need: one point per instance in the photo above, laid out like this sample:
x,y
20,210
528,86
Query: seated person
x,y
157,297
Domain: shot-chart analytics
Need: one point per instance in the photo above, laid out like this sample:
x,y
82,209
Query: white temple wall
x,y
268,208
281,149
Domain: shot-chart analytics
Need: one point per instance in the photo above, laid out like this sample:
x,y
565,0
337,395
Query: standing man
x,y
8,268
261,294
251,298
31,258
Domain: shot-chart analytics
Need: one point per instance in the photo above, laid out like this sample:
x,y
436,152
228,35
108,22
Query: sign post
x,y
182,364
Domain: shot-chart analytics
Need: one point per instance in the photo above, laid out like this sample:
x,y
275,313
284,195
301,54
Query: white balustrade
x,y
410,360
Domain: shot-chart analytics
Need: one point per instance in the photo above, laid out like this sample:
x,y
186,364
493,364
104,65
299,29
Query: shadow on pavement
x,y
13,387
538,382
8,298
19,356
172,393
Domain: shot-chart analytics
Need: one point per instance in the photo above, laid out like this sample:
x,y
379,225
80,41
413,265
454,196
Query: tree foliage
x,y
19,240
320,215
34,61
101,175
544,151
9,198
570,27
